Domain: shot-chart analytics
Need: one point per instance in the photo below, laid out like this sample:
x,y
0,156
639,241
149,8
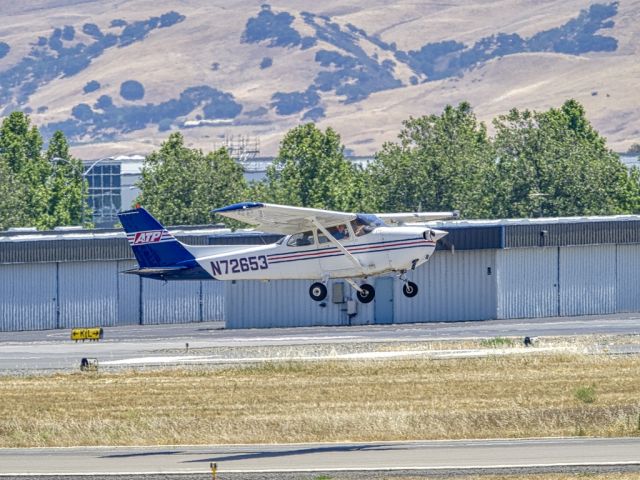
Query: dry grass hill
x,y
118,76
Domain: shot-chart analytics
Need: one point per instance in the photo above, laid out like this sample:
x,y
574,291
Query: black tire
x,y
368,293
410,289
318,291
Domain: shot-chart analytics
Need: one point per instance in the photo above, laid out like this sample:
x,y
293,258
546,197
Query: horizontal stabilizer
x,y
181,272
154,271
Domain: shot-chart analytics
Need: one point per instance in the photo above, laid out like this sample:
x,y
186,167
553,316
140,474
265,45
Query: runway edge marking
x,y
346,469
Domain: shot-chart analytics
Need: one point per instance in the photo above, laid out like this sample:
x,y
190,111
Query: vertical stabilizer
x,y
151,243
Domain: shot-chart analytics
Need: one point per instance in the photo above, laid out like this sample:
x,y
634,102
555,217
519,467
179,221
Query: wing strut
x,y
331,238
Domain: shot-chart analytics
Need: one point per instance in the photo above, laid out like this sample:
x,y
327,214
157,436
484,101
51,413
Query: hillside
x,y
116,77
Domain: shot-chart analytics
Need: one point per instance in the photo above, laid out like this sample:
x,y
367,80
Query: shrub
x,y
132,90
92,30
294,102
497,342
266,63
4,49
82,112
91,86
586,394
75,64
222,107
633,149
104,102
307,42
170,18
55,42
273,27
68,33
314,114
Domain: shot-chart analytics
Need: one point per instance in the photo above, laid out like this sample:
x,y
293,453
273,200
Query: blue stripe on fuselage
x,y
334,254
348,247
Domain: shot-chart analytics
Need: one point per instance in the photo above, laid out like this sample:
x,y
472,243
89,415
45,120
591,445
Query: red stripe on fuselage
x,y
350,249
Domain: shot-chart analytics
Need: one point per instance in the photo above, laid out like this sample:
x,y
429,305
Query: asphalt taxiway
x,y
53,350
428,456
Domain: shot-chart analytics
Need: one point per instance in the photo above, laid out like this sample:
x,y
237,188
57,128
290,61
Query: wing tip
x,y
238,206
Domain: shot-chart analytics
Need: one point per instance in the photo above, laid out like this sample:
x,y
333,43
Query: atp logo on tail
x,y
153,236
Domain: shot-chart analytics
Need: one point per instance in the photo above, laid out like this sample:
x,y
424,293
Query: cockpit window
x,y
302,239
364,224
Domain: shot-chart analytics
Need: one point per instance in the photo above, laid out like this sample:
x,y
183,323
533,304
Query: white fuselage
x,y
383,250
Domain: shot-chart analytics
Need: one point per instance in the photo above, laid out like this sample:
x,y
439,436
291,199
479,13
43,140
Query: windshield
x,y
364,224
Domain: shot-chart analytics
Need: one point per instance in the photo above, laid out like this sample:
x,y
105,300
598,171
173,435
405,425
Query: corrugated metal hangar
x,y
72,279
484,270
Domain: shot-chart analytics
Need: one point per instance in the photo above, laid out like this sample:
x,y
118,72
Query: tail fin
x,y
152,244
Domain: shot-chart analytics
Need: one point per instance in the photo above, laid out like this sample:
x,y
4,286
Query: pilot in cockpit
x,y
340,232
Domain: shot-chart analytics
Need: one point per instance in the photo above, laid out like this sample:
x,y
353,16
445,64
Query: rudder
x,y
152,245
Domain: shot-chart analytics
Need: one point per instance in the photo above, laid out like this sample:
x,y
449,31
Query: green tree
x,y
68,190
12,197
311,171
48,194
555,163
21,147
441,162
181,185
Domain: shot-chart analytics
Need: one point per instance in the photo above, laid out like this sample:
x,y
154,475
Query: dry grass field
x,y
546,476
539,395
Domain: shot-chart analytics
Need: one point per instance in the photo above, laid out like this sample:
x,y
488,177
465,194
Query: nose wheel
x,y
318,291
410,289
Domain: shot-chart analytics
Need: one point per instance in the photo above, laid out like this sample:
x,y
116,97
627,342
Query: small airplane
x,y
318,245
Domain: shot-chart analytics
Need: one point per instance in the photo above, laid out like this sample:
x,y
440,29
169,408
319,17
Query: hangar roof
x,y
111,244
20,246
540,232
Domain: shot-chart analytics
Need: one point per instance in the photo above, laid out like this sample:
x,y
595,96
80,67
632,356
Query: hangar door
x,y
587,280
383,310
627,285
88,294
28,297
528,282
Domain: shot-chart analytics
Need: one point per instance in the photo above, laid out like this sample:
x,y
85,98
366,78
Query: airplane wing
x,y
284,219
402,218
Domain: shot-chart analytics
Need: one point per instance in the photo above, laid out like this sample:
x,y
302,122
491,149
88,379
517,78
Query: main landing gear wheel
x,y
318,291
410,289
367,294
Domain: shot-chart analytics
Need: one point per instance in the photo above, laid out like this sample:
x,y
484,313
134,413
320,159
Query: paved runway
x,y
52,350
434,455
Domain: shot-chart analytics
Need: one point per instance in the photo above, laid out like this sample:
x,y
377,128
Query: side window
x,y
302,239
339,232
